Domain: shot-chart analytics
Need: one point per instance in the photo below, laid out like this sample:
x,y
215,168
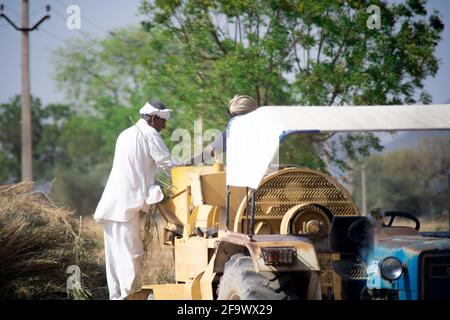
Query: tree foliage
x,y
296,53
108,81
196,55
409,179
48,126
299,52
66,151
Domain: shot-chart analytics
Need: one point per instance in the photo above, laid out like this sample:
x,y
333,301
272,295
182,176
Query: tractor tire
x,y
240,281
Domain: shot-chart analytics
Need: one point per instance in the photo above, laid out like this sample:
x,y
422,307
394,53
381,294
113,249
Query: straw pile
x,y
38,242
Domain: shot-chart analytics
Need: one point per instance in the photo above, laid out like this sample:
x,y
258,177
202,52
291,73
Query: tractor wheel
x,y
240,281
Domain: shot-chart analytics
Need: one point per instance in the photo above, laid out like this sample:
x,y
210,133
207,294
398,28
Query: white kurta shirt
x,y
131,183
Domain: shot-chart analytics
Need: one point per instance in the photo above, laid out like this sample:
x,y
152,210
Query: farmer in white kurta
x,y
130,188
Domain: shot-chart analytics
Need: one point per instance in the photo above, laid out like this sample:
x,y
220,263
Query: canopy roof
x,y
253,139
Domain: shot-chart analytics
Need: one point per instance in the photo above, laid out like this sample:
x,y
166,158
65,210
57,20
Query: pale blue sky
x,y
101,16
97,18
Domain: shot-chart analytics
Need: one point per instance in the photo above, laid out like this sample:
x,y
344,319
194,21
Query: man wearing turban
x,y
239,105
242,104
131,188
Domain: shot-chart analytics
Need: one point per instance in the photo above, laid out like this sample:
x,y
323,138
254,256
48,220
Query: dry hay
x,y
38,242
158,260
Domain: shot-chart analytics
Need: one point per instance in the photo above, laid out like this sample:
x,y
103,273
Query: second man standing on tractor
x,y
238,106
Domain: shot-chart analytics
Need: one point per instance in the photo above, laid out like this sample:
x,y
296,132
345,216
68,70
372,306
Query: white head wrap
x,y
150,110
242,104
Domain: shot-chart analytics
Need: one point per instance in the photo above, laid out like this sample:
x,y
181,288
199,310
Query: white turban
x,y
150,110
241,104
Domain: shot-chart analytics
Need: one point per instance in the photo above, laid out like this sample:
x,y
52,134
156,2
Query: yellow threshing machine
x,y
251,232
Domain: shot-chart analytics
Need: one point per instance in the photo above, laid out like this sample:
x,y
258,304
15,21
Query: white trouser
x,y
123,257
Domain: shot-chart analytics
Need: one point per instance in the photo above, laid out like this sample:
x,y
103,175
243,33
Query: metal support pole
x,y
448,181
246,212
253,214
26,130
227,206
363,190
27,159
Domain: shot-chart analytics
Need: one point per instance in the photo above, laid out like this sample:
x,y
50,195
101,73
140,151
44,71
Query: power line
x,y
85,35
24,24
61,16
26,125
36,11
52,35
85,18
62,4
11,10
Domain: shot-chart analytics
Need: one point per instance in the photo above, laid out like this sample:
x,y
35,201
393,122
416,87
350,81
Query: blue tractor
x,y
383,260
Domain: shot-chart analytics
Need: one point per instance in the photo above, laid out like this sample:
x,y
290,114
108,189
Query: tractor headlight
x,y
391,268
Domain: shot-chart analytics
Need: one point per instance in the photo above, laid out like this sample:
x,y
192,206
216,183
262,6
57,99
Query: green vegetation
x,y
412,180
196,55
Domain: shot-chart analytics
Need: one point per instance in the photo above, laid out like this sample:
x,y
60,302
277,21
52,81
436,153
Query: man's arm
x,y
160,153
214,148
198,158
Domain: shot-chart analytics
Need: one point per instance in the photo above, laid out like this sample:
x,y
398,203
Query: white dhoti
x,y
123,257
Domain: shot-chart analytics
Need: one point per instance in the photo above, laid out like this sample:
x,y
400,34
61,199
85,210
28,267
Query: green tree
x,y
196,55
106,80
67,151
333,57
49,150
47,124
296,52
10,142
409,179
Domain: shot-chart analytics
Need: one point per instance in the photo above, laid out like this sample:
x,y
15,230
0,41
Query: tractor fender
x,y
234,243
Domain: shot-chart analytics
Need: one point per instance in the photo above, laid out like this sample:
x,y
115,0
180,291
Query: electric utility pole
x,y
363,189
27,153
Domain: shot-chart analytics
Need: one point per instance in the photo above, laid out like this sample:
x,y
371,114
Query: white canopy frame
x,y
253,139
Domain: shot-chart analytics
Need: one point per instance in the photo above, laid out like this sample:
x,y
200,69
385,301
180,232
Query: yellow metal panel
x,y
193,219
218,166
192,288
191,257
180,175
206,281
196,189
207,188
205,216
170,291
168,211
213,185
337,283
176,210
214,191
